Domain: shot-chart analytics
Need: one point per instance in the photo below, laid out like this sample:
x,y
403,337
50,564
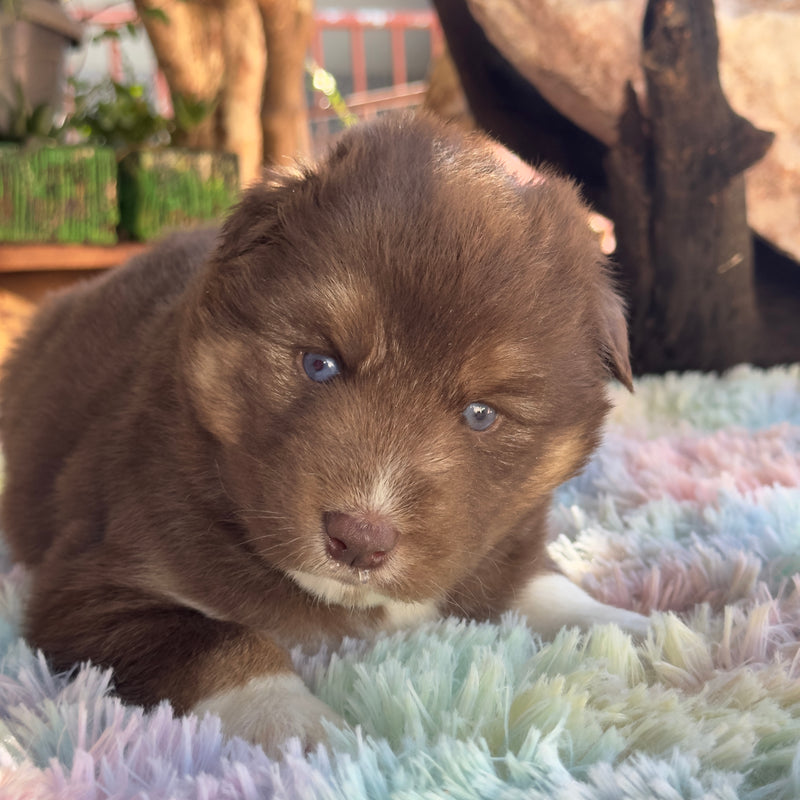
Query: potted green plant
x,y
47,192
160,186
121,174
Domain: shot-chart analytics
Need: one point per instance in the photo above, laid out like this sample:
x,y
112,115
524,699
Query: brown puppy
x,y
345,412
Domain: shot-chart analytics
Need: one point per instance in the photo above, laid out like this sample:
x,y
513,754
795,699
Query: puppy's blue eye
x,y
479,416
320,368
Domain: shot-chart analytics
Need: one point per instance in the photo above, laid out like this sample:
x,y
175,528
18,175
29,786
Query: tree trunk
x,y
678,200
287,29
245,64
187,41
213,53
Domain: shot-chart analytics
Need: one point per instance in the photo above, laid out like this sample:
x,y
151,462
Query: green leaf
x,y
120,115
40,122
156,13
110,33
190,112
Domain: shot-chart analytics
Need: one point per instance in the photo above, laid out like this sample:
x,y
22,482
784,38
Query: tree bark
x,y
245,64
213,53
678,200
287,29
187,42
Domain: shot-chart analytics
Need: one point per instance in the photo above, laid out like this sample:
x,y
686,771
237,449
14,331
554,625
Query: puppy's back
x,y
78,357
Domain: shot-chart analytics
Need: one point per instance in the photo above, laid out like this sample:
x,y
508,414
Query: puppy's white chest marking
x,y
552,601
269,710
406,615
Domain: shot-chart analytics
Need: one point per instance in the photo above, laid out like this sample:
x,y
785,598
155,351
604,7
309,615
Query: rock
x,y
760,73
579,54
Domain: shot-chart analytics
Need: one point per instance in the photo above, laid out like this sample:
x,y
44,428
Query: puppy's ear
x,y
613,336
212,345
613,328
254,219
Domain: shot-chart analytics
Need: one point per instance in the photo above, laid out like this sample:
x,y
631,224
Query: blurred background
x,y
384,50
680,121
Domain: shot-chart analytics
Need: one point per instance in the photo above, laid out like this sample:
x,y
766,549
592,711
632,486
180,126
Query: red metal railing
x,y
365,101
357,22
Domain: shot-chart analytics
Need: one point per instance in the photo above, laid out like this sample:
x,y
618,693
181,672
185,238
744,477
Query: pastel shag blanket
x,y
690,510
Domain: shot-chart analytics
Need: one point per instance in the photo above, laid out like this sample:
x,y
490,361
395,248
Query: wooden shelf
x,y
51,257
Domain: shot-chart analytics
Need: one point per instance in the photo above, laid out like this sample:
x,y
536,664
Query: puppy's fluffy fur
x,y
187,487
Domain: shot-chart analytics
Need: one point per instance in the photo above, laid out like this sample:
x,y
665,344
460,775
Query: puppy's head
x,y
400,353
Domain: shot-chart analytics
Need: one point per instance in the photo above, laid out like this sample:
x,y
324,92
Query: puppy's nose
x,y
359,541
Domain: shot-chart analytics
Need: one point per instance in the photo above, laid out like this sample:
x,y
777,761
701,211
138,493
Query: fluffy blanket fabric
x,y
691,510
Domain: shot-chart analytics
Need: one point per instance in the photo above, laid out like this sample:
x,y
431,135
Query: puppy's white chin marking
x,y
398,614
337,593
270,709
552,601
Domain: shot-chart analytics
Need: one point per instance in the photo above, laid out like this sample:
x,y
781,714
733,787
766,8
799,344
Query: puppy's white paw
x,y
269,710
551,601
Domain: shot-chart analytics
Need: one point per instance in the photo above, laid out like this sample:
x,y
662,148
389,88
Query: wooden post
x,y
678,200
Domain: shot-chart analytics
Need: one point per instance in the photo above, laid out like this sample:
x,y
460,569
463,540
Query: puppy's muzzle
x,y
361,541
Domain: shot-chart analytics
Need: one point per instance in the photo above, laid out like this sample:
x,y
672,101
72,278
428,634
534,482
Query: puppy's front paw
x,y
551,601
631,622
269,710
